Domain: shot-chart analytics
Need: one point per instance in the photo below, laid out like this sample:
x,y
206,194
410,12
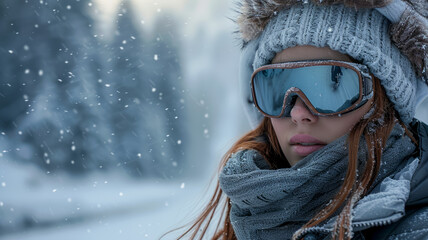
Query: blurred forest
x,y
74,100
113,114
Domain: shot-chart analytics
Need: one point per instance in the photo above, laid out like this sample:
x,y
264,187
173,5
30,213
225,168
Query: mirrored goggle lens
x,y
329,88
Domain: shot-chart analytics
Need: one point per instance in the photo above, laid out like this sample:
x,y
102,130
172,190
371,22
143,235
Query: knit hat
x,y
361,31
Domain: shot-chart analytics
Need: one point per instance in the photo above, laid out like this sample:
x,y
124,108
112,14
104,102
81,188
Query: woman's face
x,y
303,133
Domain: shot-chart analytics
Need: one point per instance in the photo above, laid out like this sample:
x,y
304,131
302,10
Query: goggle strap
x,y
367,84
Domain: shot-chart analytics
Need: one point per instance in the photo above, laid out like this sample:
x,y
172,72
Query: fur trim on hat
x,y
410,35
421,6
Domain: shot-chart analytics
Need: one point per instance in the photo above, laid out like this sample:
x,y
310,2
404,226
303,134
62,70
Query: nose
x,y
301,114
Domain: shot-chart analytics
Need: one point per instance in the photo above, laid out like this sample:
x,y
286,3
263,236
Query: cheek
x,y
355,116
281,127
339,126
278,124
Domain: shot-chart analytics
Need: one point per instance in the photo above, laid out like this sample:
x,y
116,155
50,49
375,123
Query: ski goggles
x,y
327,87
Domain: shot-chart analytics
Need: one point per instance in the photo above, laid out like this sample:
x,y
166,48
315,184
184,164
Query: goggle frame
x,y
366,86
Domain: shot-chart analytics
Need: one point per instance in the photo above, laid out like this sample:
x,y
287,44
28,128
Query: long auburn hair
x,y
376,129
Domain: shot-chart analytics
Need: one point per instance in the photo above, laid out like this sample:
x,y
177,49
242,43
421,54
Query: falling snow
x,y
107,122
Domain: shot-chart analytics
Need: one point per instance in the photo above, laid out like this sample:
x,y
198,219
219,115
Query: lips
x,y
304,145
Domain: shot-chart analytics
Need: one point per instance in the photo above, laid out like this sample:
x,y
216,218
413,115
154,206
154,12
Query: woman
x,y
335,153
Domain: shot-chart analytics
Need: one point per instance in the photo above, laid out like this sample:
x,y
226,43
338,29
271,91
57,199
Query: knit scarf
x,y
273,204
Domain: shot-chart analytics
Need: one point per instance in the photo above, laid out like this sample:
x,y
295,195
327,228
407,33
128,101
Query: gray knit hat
x,y
360,33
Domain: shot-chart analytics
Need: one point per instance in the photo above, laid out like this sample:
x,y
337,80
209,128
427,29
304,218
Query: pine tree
x,y
131,102
166,71
59,131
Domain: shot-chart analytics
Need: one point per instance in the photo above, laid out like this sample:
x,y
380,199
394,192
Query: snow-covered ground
x,y
36,206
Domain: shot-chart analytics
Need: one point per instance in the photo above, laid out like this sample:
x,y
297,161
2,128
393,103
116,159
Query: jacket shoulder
x,y
421,131
419,184
414,225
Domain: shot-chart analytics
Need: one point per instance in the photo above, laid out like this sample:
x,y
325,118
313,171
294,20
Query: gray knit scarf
x,y
273,204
